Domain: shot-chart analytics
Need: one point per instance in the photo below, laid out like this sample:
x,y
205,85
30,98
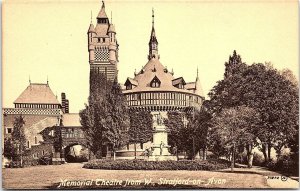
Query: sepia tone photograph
x,y
159,95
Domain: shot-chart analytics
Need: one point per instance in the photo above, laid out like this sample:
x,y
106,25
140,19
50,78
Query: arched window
x,y
35,140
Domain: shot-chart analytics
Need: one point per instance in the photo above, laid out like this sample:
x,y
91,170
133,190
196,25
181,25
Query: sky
x,y
48,39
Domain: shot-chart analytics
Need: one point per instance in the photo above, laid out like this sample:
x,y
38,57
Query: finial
x,y
152,17
197,74
29,80
91,16
47,80
103,5
111,17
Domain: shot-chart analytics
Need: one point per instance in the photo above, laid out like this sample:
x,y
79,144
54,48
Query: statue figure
x,y
161,147
159,119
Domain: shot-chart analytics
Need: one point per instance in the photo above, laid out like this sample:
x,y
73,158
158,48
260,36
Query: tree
x,y
233,127
92,117
140,130
200,123
176,130
19,138
8,150
116,121
263,88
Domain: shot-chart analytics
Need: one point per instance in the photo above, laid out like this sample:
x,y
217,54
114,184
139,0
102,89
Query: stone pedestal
x,y
160,147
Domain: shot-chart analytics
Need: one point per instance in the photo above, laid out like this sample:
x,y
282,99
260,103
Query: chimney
x,y
67,106
63,102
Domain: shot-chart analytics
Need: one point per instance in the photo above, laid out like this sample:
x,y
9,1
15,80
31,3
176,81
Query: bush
x,y
285,164
258,160
157,165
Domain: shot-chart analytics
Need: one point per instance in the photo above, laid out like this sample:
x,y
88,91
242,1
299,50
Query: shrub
x,y
285,164
258,159
157,165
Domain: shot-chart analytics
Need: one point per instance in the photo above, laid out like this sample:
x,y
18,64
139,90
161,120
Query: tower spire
x,y
152,17
153,44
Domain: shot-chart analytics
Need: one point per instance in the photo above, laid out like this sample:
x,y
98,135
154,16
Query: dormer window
x,y
130,83
155,83
178,83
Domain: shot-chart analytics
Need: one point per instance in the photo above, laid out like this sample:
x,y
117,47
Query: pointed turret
x,y
153,43
102,13
198,87
91,28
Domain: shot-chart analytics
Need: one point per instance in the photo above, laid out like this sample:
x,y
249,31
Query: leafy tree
x,y
140,130
261,87
92,117
116,121
233,127
18,139
288,74
8,150
200,124
176,130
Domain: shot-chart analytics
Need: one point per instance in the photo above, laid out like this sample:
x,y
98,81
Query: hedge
x,y
213,164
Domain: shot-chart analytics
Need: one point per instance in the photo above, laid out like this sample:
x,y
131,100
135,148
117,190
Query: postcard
x,y
150,94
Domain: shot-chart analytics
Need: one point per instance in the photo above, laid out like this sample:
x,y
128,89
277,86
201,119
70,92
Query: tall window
x,y
35,140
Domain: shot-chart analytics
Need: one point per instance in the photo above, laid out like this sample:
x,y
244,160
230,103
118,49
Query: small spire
x,y
91,17
197,74
152,17
29,80
103,5
47,80
111,17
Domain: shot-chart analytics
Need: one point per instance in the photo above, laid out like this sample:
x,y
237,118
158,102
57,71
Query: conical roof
x,y
151,70
102,13
91,28
111,28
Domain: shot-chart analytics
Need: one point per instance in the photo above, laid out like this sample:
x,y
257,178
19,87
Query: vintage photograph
x,y
156,95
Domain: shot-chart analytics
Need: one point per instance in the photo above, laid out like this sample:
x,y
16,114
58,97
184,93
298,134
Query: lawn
x,y
43,177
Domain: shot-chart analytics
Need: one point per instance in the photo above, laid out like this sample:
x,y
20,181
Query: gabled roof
x,y
131,81
37,94
179,80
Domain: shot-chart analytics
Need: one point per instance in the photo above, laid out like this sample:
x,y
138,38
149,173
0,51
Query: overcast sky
x,y
49,39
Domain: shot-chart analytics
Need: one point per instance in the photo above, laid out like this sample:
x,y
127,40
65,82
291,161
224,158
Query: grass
x,y
44,177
